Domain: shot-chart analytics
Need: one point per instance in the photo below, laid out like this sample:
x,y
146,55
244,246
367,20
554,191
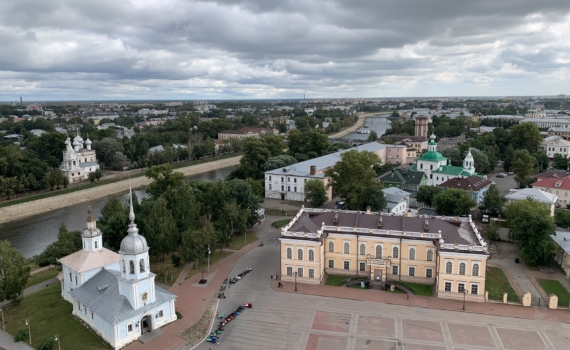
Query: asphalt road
x,y
503,183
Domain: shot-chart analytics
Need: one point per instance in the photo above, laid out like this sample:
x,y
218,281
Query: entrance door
x,y
282,196
378,274
145,324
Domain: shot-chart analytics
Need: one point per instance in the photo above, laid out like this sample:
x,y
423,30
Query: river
x,y
32,235
377,124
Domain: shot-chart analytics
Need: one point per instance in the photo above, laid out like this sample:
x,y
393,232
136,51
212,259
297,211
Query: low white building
x,y
539,195
551,122
535,113
397,200
553,145
78,159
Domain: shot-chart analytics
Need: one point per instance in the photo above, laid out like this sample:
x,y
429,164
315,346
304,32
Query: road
x,y
286,320
503,183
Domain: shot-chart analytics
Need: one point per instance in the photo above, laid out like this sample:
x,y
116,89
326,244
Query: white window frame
x,y
360,264
459,268
311,273
311,250
449,261
287,250
344,262
381,250
300,271
432,255
287,267
302,251
160,313
329,247
344,243
360,252
429,269
132,328
415,252
471,288
397,268
461,284
450,289
412,268
397,247
329,263
478,269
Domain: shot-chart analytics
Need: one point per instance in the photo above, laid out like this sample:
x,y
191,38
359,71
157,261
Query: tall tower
x,y
421,126
469,163
91,235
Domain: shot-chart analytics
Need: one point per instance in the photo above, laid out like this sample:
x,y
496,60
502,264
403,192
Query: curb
x,y
211,323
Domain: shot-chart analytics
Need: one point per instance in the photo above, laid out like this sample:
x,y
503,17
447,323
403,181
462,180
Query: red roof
x,y
554,183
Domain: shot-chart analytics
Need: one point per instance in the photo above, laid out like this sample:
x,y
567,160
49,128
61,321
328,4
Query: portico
x,y
378,268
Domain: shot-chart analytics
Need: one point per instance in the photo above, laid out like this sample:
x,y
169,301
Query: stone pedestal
x,y
505,298
486,295
392,288
527,299
553,301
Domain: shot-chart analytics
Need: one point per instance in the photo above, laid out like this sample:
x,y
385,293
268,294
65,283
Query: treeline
x,y
498,122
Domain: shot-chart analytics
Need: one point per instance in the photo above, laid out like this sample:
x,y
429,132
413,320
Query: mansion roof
x,y
451,232
101,295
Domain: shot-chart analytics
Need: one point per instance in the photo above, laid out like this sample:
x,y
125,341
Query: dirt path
x,y
24,210
356,126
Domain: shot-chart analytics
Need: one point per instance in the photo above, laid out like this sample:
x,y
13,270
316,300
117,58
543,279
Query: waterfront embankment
x,y
359,123
40,206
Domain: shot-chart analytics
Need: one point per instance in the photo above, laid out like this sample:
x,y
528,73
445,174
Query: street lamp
x,y
295,274
29,330
464,294
57,340
3,325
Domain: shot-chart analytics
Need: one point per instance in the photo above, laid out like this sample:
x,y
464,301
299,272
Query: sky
x,y
282,49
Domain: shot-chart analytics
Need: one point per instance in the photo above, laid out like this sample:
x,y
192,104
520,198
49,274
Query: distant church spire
x,y
132,212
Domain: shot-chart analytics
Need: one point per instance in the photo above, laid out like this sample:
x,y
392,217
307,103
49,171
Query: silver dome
x,y
133,244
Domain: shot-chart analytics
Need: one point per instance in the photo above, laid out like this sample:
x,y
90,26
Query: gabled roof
x,y
473,183
83,260
554,183
534,193
404,176
394,194
101,295
562,238
451,170
553,173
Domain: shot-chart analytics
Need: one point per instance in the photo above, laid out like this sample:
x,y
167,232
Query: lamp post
x,y
464,294
295,274
3,325
209,252
57,340
29,330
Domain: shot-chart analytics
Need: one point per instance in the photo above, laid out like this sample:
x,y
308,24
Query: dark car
x,y
412,163
233,280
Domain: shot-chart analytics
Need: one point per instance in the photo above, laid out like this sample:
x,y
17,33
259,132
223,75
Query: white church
x,y
115,294
78,159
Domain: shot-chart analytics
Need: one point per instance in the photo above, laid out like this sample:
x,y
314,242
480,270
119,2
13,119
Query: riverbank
x,y
23,210
359,123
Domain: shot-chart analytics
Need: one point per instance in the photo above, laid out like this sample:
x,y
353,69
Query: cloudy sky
x,y
184,49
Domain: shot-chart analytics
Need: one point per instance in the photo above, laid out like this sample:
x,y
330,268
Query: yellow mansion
x,y
447,252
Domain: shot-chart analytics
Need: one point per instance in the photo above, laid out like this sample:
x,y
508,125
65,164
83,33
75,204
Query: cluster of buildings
x,y
79,160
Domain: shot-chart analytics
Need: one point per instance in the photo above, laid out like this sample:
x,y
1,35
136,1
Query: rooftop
x,y
534,193
403,176
554,183
83,260
394,194
562,238
473,183
246,131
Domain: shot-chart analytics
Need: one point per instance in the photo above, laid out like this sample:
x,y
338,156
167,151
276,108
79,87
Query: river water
x,y
32,235
377,124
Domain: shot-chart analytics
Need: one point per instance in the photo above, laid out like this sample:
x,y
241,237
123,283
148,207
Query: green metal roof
x,y
451,170
403,177
432,156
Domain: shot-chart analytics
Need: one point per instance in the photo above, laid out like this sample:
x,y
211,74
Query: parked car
x,y
510,173
502,175
485,218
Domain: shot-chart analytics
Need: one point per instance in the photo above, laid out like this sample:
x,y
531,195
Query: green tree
x,y
315,192
542,160
562,218
426,194
353,177
525,136
492,201
508,157
531,227
376,199
158,227
373,136
114,222
278,162
232,220
68,242
106,149
14,272
195,243
560,162
481,161
248,202
163,177
523,166
454,202
255,155
454,155
183,205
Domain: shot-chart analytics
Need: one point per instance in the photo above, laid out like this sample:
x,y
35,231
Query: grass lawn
x,y
419,289
280,223
239,241
214,258
42,276
49,315
156,262
336,280
555,287
497,283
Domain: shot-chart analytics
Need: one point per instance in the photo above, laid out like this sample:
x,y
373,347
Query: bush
x,y
20,336
178,315
492,232
46,344
175,260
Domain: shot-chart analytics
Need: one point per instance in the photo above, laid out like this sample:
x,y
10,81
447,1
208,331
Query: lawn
x,y
497,283
239,241
555,287
49,315
336,280
42,276
155,262
280,223
419,289
214,258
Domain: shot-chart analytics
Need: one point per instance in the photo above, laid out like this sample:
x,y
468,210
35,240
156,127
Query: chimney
x,y
380,221
21,103
368,210
426,225
313,169
335,219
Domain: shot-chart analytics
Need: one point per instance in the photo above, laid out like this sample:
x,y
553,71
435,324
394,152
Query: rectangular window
x,y
300,271
282,188
130,327
75,279
295,189
411,271
331,264
91,314
288,179
347,265
429,273
305,180
474,289
362,266
281,179
269,186
394,269
448,286
288,188
270,178
289,271
460,287
96,244
295,180
161,313
311,273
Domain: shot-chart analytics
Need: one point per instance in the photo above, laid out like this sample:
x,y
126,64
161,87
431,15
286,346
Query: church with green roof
x,y
438,168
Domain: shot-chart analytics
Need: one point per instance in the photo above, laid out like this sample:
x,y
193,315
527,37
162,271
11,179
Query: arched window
x,y
132,267
289,253
141,265
475,270
331,247
363,249
346,248
430,255
124,266
462,269
311,255
395,252
412,254
378,252
299,254
448,268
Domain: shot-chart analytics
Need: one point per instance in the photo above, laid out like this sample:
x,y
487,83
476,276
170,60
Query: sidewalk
x,y
7,342
494,309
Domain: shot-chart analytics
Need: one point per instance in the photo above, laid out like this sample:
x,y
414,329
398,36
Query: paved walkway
x,y
7,342
40,286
